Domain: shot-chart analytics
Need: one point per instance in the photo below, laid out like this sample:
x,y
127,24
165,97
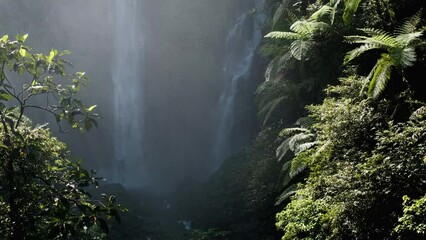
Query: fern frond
x,y
408,38
292,131
269,108
279,12
308,28
381,76
384,40
276,65
409,25
354,39
287,193
283,35
405,58
300,48
271,69
283,149
296,170
305,122
291,16
286,168
302,147
377,37
299,139
360,50
373,31
320,13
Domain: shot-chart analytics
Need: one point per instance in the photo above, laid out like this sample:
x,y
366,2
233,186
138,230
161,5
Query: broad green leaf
x,y
5,38
5,96
21,38
23,52
351,7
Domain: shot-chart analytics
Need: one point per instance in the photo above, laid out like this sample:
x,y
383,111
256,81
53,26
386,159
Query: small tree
x,y
42,193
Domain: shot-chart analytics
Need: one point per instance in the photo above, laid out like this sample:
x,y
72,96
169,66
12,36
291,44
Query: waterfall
x,y
240,53
128,105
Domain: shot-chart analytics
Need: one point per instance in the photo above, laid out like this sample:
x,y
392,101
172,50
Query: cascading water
x,y
240,53
128,104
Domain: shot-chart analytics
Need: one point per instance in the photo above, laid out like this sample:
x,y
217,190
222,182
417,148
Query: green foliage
x,y
351,7
400,51
413,221
302,35
41,77
364,168
44,192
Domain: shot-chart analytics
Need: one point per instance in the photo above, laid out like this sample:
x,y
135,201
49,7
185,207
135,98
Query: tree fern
x,y
302,36
400,51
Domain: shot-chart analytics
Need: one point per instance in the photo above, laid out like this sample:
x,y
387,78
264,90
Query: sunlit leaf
x,y
91,108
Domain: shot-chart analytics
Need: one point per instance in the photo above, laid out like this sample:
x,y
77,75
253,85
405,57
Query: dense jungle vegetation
x,y
340,153
342,116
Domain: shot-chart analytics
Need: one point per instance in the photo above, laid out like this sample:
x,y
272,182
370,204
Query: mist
x,y
170,78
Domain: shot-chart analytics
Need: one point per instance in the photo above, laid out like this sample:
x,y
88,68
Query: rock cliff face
x,y
184,51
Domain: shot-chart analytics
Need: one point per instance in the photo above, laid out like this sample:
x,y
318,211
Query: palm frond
x,y
380,77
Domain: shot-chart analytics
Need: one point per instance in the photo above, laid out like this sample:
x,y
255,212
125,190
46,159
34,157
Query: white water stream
x,y
240,52
127,77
